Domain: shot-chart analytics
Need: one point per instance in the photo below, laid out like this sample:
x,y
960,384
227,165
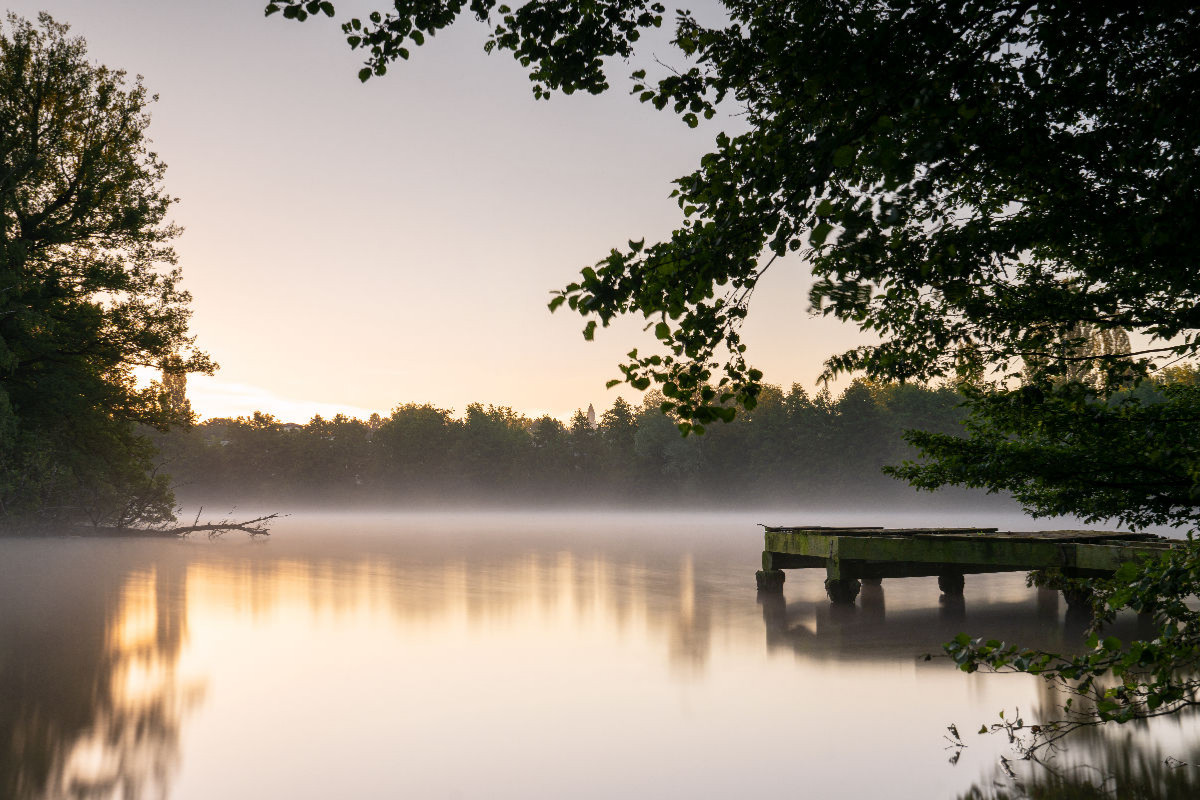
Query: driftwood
x,y
259,526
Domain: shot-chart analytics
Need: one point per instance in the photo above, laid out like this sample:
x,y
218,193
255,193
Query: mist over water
x,y
507,654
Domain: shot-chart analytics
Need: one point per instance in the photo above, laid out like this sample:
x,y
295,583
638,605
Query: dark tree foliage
x,y
563,44
1132,456
88,290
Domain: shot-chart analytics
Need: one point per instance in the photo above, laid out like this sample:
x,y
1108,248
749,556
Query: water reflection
x,y
666,597
565,660
90,702
867,632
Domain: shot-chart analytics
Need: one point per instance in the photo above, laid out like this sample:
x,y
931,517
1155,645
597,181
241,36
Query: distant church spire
x,y
591,415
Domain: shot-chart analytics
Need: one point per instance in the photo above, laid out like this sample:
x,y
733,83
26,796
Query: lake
x,y
511,655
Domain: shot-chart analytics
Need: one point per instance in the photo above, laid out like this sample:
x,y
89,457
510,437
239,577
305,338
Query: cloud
x,y
212,397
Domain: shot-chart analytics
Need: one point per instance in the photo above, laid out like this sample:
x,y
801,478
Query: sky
x,y
350,248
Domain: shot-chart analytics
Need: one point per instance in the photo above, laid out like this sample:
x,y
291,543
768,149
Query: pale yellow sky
x,y
356,247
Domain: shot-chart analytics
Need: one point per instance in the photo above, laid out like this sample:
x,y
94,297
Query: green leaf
x,y
819,234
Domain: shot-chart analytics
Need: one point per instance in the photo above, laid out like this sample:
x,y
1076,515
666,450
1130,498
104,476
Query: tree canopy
x,y
88,286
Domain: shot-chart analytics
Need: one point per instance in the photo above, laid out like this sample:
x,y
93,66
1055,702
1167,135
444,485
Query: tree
x,y
985,186
414,443
491,450
173,386
586,453
550,458
617,428
88,287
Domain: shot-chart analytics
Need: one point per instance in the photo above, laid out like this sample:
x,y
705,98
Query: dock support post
x,y
842,591
951,584
770,580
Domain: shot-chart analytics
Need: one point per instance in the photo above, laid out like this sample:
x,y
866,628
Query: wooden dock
x,y
852,555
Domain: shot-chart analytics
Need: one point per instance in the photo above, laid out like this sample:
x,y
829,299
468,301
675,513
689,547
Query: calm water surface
x,y
502,656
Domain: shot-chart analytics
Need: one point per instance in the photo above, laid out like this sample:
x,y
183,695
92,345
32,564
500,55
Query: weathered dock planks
x,y
852,554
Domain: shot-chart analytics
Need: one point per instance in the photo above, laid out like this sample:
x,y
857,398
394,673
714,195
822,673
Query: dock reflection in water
x,y
497,656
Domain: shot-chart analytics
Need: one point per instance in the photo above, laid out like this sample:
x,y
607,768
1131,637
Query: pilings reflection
x,y
870,629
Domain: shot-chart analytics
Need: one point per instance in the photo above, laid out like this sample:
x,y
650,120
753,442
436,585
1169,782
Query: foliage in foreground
x,y
88,290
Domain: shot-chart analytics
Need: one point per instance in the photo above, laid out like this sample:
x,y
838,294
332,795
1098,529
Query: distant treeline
x,y
792,448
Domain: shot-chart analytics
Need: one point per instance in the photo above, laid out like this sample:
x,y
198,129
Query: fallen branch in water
x,y
255,527
259,526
